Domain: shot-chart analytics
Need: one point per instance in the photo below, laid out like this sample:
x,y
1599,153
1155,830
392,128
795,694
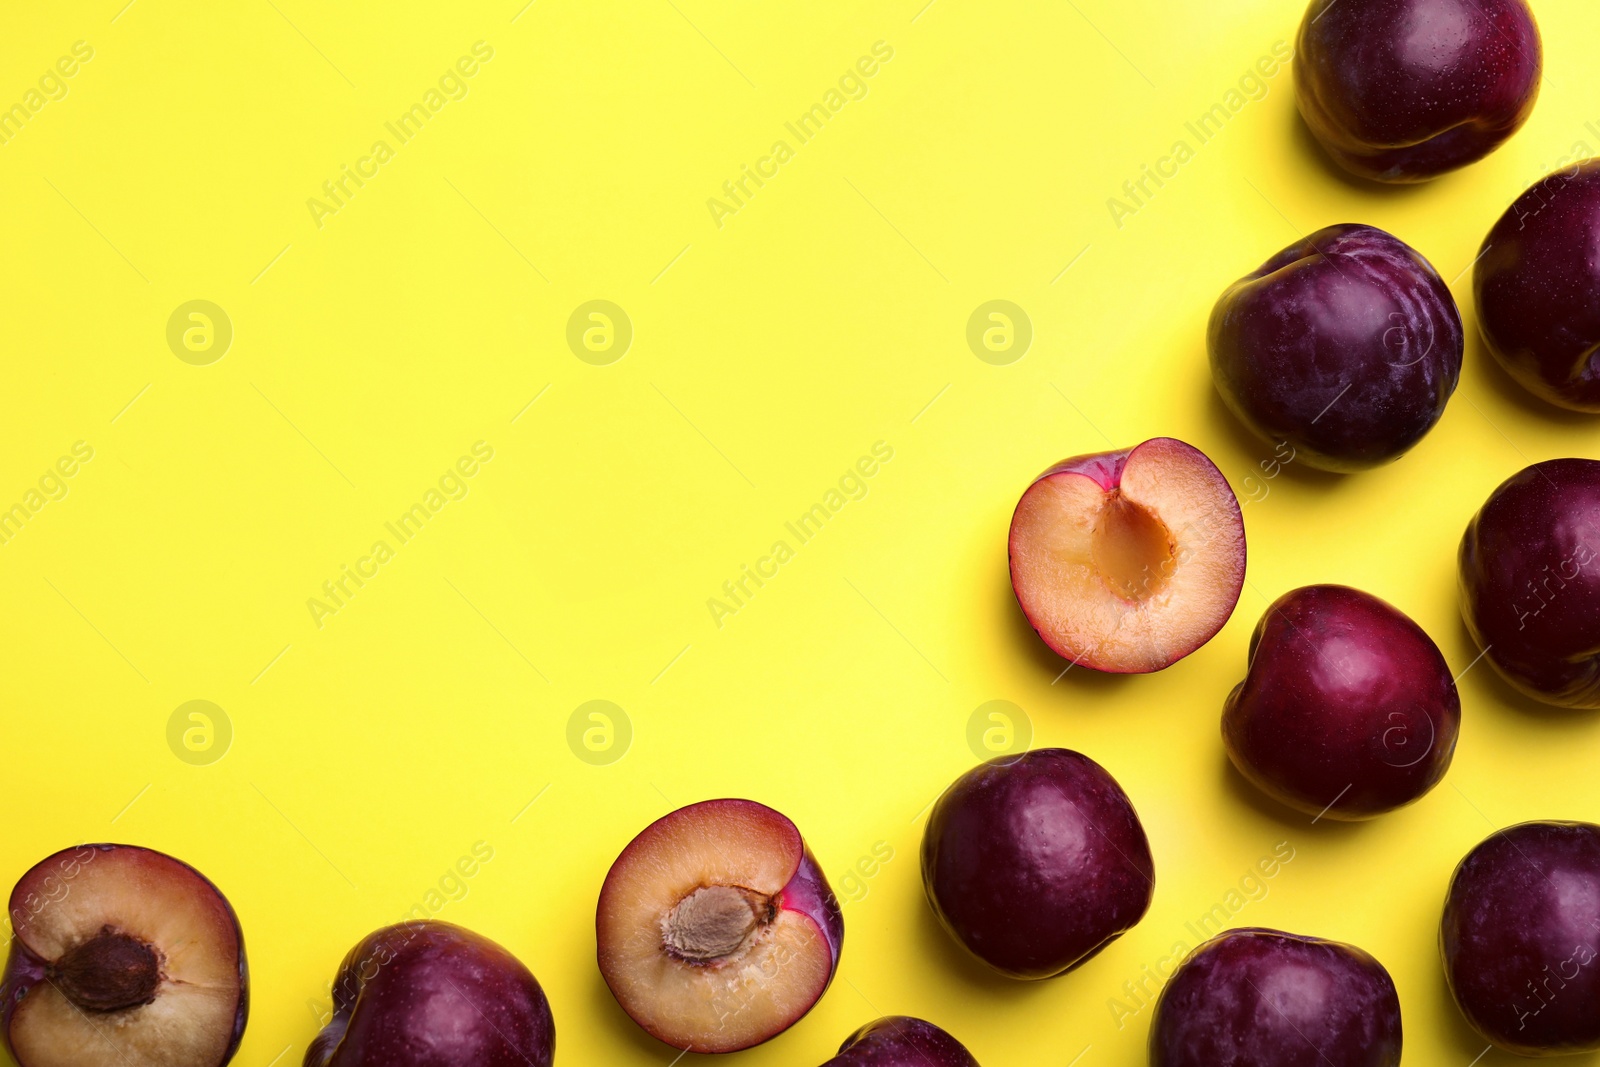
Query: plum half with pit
x,y
1537,284
1035,863
901,1041
1521,938
122,957
1405,90
1347,710
432,994
1345,346
1264,997
1128,561
716,928
1530,581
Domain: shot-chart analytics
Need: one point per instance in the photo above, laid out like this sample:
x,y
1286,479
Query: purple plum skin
x,y
1348,709
1034,863
1263,997
1530,581
1538,288
1405,90
1346,345
1521,936
901,1041
431,994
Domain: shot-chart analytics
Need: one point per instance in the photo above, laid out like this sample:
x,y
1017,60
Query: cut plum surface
x,y
1128,561
123,957
716,929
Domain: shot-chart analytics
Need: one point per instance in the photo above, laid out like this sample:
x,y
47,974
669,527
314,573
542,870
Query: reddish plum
x,y
1263,997
901,1041
1035,863
1345,346
1347,709
1521,937
1405,90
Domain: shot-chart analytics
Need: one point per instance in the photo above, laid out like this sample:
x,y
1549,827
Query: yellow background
x,y
829,313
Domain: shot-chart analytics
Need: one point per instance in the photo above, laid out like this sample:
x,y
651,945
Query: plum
x,y
716,929
1345,346
122,957
1405,90
1537,283
901,1041
1347,708
1265,998
1128,561
1035,863
426,993
1530,583
1521,934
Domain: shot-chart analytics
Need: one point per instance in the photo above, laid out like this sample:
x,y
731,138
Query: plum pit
x,y
715,922
111,971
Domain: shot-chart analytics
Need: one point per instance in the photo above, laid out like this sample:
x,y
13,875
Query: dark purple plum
x,y
1530,583
431,994
1405,90
1537,284
901,1041
1347,709
1035,863
1264,998
1345,346
1521,937
122,957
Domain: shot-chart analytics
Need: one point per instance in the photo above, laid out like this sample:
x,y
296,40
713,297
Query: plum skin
x,y
388,994
1530,583
1348,709
1036,863
1347,345
1210,1011
901,1041
24,967
1535,287
1372,90
1520,935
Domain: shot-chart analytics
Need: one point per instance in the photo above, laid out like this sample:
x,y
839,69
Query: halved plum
x,y
1128,561
123,957
716,928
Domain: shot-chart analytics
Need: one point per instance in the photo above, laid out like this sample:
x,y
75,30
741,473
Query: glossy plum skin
x,y
1035,863
1521,936
1346,345
1348,709
1537,287
901,1041
1405,90
1530,581
431,994
1261,997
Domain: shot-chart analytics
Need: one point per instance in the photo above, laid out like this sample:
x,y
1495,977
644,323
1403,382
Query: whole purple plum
x,y
431,994
901,1041
1264,998
1521,938
1035,863
1530,581
1345,346
1405,90
1537,284
1347,709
